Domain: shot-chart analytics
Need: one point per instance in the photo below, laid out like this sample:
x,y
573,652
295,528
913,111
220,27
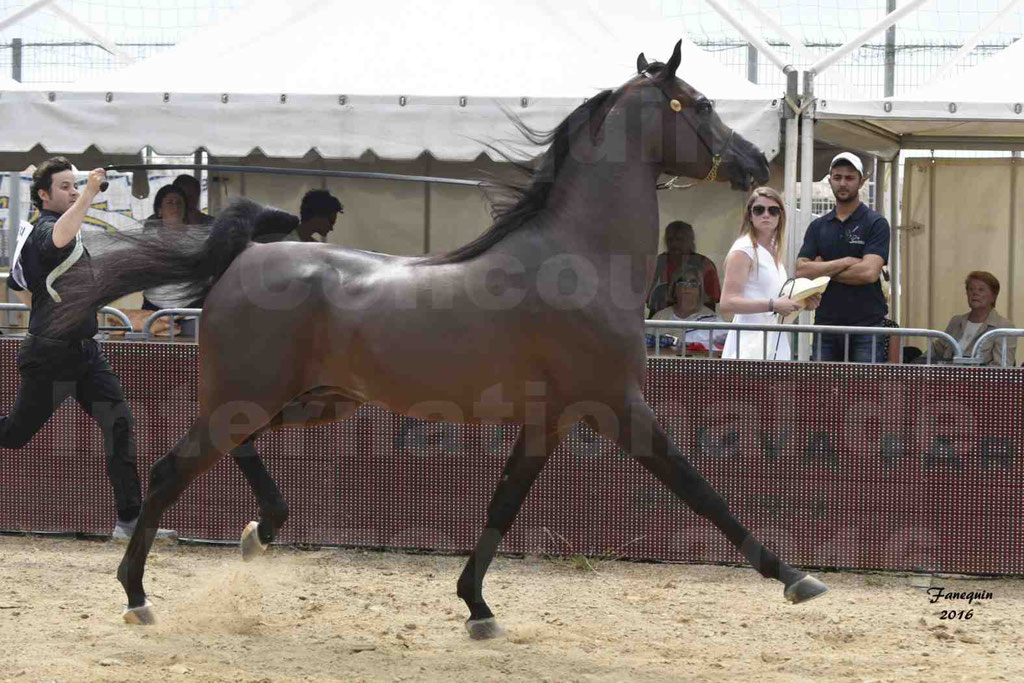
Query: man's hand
x,y
96,178
866,271
70,222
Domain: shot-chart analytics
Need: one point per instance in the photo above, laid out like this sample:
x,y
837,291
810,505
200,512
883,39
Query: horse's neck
x,y
606,208
607,215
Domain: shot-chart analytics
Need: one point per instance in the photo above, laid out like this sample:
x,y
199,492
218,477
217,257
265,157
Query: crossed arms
x,y
849,270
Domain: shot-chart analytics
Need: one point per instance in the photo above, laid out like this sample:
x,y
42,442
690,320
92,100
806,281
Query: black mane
x,y
514,203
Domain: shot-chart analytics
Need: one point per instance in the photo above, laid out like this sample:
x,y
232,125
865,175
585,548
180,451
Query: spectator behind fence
x,y
680,254
850,244
170,212
317,214
54,368
754,275
685,298
189,184
982,291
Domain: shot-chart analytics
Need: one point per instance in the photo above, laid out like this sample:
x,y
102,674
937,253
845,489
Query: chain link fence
x,y
63,42
66,62
862,74
46,48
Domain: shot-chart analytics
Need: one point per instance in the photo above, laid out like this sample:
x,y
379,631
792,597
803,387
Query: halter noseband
x,y
677,106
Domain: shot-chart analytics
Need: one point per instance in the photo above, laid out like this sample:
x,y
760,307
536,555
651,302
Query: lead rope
x,y
63,267
792,285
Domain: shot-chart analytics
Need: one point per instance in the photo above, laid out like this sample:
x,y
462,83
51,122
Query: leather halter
x,y
676,106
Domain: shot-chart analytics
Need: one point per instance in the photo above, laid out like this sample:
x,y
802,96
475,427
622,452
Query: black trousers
x,y
51,371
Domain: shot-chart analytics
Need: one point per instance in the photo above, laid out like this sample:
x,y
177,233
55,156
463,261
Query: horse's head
x,y
688,136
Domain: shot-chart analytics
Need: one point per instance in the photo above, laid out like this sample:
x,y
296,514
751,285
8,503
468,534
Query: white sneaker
x,y
123,532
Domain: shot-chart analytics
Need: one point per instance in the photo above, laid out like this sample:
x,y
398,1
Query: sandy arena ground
x,y
330,615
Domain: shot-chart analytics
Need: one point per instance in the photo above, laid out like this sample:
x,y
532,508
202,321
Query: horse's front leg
x,y
530,453
639,433
273,509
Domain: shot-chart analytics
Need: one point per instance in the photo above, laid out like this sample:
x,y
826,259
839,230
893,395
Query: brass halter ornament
x,y
677,106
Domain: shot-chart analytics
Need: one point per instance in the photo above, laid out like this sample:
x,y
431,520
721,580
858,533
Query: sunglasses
x,y
687,283
759,209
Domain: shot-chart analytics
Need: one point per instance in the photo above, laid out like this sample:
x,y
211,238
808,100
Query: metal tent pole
x,y
791,113
806,179
865,35
13,223
229,168
896,257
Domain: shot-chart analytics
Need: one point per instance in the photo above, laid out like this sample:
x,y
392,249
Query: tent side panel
x,y
957,218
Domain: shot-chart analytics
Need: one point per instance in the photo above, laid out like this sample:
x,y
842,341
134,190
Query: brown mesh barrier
x,y
852,466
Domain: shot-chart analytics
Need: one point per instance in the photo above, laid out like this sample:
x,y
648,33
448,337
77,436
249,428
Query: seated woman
x,y
170,213
680,254
982,291
686,302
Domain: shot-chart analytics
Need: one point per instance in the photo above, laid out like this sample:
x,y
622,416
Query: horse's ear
x,y
673,62
641,63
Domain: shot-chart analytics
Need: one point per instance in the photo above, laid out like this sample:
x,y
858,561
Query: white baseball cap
x,y
853,160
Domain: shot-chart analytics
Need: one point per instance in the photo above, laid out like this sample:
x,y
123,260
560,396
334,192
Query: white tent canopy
x,y
397,80
979,108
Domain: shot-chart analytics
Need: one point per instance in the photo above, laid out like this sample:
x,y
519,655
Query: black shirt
x,y
39,257
863,232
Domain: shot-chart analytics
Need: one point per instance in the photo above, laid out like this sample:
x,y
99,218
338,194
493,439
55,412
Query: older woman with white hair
x,y
982,289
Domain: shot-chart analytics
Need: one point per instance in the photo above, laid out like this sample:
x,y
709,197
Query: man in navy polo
x,y
850,244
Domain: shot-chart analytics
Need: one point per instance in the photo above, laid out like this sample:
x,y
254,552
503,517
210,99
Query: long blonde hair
x,y
747,227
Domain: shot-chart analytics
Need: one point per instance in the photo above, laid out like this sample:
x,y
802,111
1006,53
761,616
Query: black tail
x,y
126,262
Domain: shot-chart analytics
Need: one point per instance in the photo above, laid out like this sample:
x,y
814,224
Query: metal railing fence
x,y
105,311
659,338
1005,333
173,314
817,330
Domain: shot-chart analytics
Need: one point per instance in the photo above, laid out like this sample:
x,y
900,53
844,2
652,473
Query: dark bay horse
x,y
538,322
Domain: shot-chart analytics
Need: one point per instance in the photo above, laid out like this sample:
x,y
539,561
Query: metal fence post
x,y
890,52
16,59
12,225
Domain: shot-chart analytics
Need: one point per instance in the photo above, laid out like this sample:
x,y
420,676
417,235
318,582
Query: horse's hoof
x,y
140,616
251,545
484,629
805,589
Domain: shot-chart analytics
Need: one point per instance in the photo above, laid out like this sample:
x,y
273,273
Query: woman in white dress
x,y
754,274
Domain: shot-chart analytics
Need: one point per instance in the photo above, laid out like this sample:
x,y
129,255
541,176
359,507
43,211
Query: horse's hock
x,y
847,466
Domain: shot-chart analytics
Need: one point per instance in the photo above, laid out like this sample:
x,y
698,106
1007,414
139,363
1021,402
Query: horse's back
x,y
302,270
287,317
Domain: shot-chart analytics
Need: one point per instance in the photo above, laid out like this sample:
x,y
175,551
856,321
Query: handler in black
x,y
52,369
850,244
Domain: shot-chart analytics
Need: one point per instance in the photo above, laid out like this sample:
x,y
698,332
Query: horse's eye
x,y
704,107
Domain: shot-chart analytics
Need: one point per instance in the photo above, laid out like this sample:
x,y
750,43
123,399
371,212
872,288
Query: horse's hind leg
x,y
645,440
529,455
273,508
169,476
318,405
